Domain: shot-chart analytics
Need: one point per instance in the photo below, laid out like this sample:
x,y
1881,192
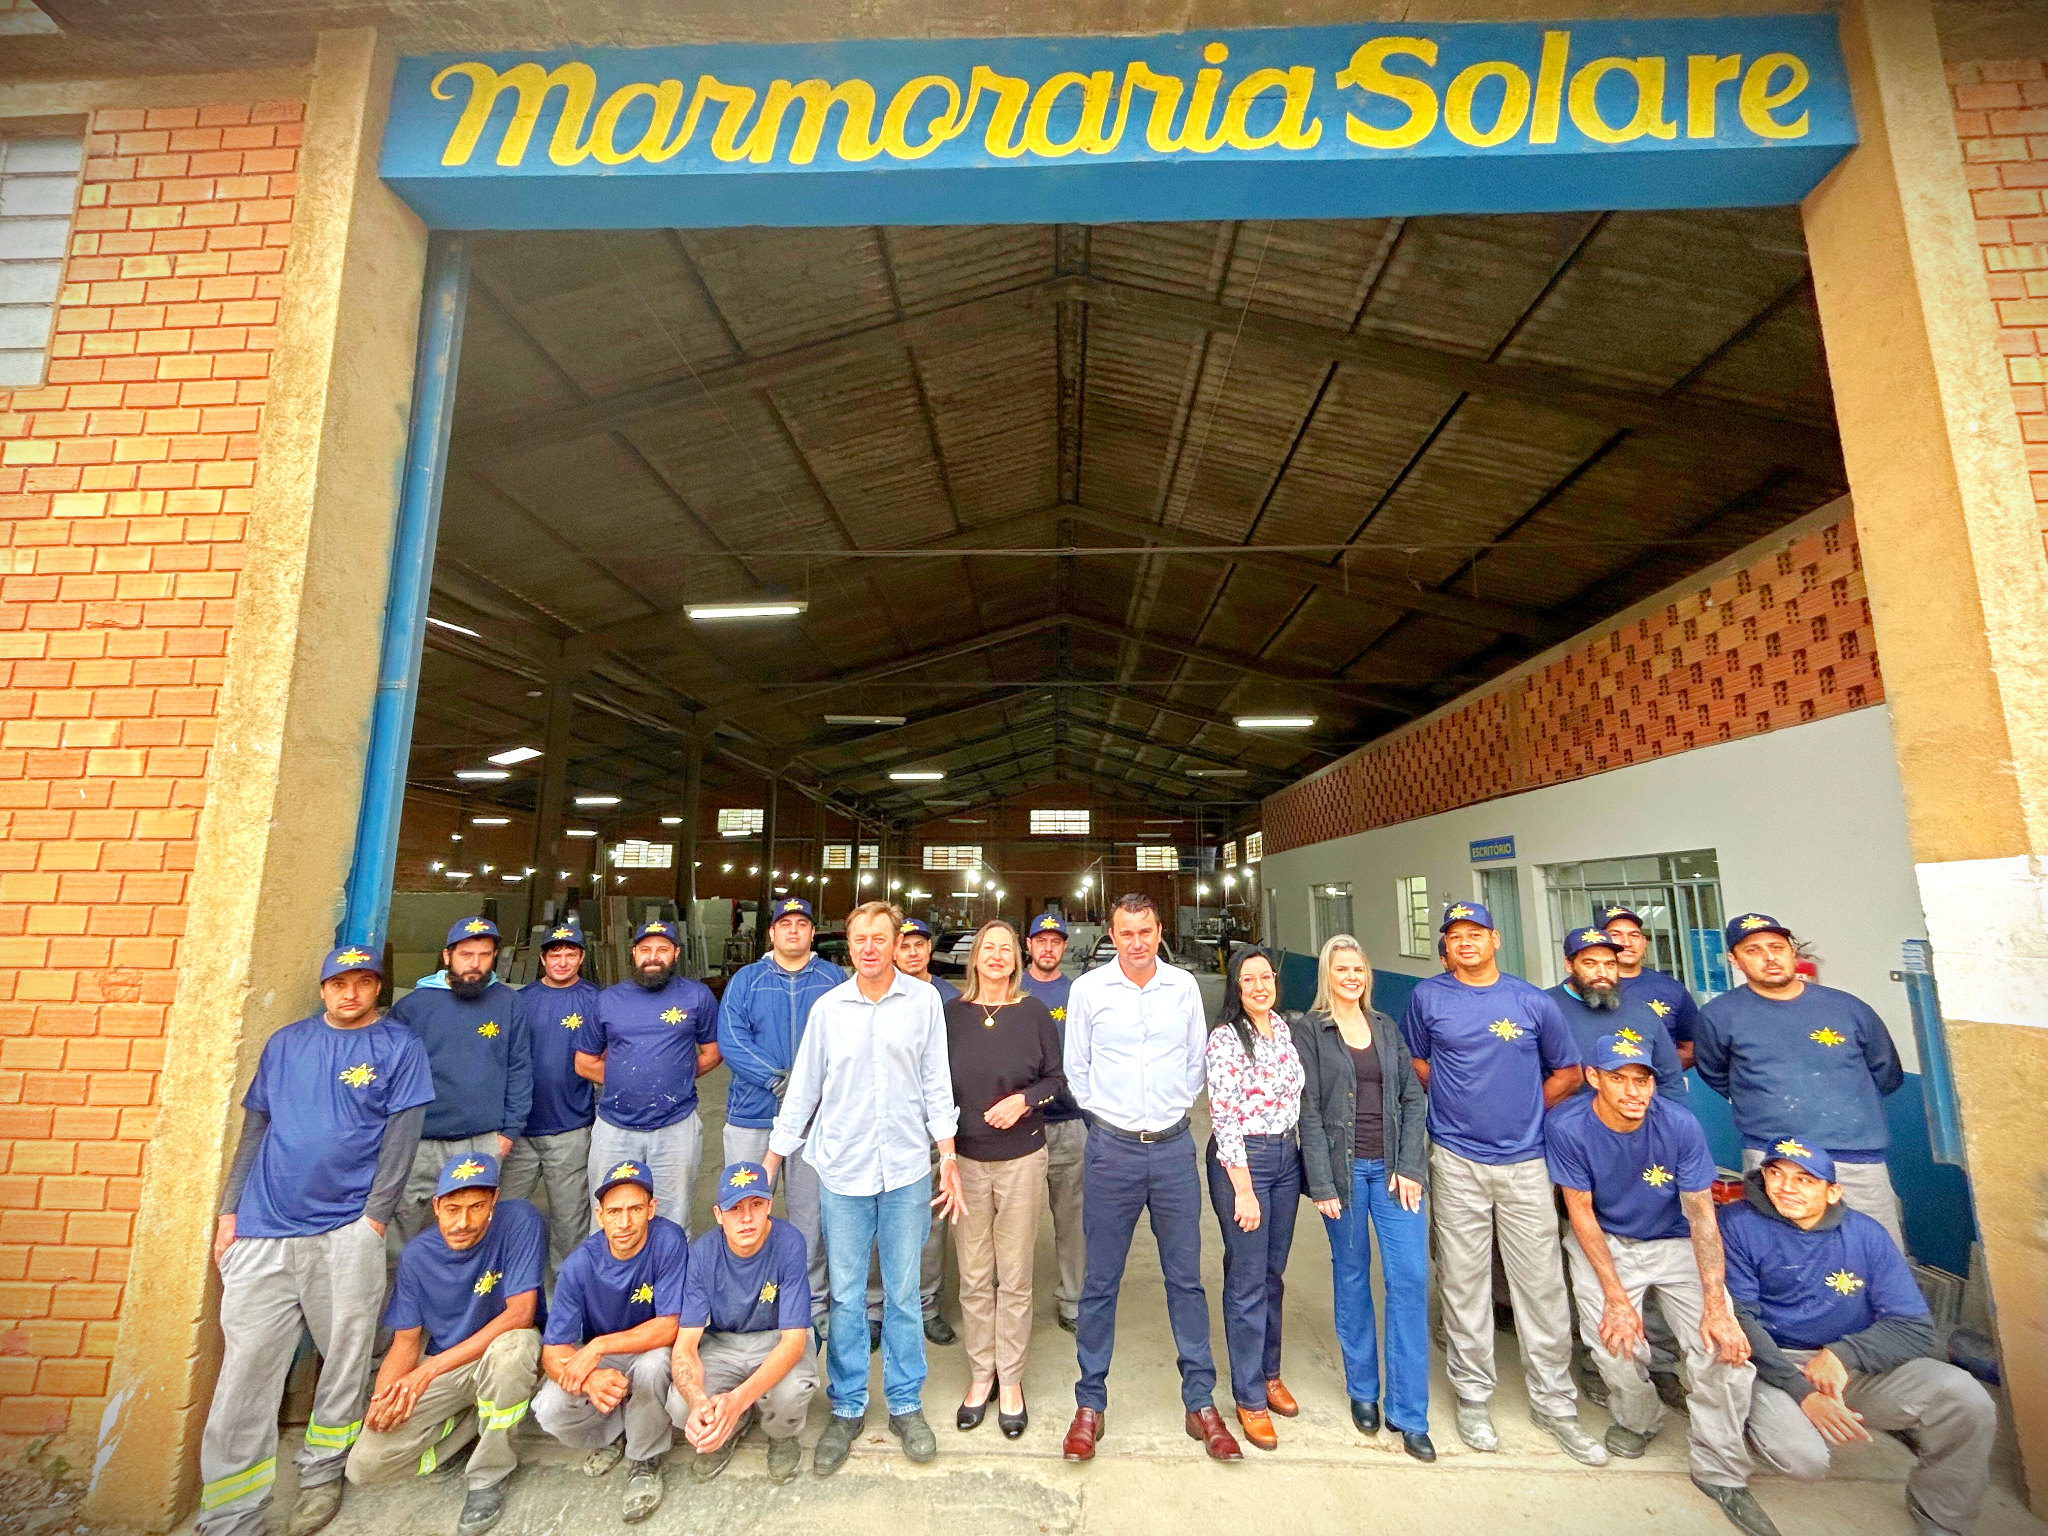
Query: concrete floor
x,y
1148,1477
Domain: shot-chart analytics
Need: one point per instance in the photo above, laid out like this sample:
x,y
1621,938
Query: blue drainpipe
x,y
368,900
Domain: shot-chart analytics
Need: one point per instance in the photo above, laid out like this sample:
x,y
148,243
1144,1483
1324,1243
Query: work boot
x,y
784,1458
1741,1508
643,1490
938,1331
710,1463
836,1444
480,1509
1475,1426
1626,1442
1564,1429
1670,1390
919,1443
603,1459
314,1508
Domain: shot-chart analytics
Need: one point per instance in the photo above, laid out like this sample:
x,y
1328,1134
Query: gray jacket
x,y
1329,1105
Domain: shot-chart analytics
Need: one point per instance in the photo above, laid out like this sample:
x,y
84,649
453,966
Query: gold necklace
x,y
988,1014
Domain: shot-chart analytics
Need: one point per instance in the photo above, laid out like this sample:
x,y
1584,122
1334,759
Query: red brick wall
x,y
2002,119
1785,641
124,489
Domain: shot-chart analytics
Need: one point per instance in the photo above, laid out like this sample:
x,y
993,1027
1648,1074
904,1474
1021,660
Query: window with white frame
x,y
636,854
839,856
739,821
1254,847
1059,823
870,855
1158,859
1331,909
1230,854
1411,897
954,856
39,170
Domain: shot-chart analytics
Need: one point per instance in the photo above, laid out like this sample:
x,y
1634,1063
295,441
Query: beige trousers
x,y
997,1240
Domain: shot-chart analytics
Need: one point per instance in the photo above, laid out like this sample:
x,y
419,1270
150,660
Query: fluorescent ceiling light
x,y
1164,821
864,719
917,775
1275,722
597,799
482,775
581,832
671,821
513,755
444,624
456,874
1216,773
490,821
515,879
764,610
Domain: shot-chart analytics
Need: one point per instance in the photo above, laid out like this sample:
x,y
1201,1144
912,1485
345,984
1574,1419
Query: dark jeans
x,y
1255,1262
1404,1265
1121,1178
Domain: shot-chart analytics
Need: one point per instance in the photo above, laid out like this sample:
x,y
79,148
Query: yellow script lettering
x,y
1514,103
818,98
577,82
1011,94
1557,52
1367,70
1757,100
654,145
1095,92
1705,74
1289,132
1648,74
896,121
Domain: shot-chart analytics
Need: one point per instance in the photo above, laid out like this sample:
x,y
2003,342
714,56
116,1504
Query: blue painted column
x,y
368,901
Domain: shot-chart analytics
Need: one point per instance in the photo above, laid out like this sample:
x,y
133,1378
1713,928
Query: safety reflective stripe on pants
x,y
320,1437
491,1417
428,1460
225,1490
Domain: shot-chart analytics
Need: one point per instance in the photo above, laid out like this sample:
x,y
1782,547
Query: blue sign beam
x,y
1328,122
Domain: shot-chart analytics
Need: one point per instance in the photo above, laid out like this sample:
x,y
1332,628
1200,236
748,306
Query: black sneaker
x,y
481,1508
1071,1324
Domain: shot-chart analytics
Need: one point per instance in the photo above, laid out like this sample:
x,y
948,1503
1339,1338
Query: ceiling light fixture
x,y
444,624
597,799
864,719
490,821
1216,773
511,755
765,610
581,832
1275,722
917,775
482,775
671,821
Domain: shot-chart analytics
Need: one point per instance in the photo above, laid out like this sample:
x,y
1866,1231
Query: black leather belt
x,y
1147,1137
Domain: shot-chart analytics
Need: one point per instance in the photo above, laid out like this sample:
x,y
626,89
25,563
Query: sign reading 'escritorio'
x,y
1314,123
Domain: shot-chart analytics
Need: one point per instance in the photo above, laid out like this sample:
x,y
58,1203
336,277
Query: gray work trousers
x,y
730,1358
671,1153
1866,1187
642,1418
1066,1146
415,1206
271,1287
801,1202
482,1401
560,1164
1474,1201
1718,1404
1949,1412
931,1264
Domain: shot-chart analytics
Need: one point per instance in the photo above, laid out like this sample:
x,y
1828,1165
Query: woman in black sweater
x,y
1005,1054
1364,1153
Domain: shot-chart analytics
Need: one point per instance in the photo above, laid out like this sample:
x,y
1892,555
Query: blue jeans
x,y
1404,1266
1255,1262
1120,1179
897,1220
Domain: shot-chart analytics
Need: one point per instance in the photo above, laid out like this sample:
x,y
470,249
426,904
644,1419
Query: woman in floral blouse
x,y
1255,1079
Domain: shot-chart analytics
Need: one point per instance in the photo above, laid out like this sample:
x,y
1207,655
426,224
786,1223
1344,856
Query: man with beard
x,y
555,1150
483,1070
650,1040
1066,1133
1593,1002
1666,996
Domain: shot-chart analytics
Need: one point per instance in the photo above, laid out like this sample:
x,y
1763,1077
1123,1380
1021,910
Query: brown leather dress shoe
x,y
1280,1400
1207,1427
1082,1435
1258,1427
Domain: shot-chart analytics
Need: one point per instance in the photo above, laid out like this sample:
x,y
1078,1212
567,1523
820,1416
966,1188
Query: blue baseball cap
x,y
568,931
655,928
914,926
471,928
627,1172
350,957
1609,914
742,1181
467,1170
1465,912
1587,938
1750,924
1624,1048
789,906
1047,922
1814,1159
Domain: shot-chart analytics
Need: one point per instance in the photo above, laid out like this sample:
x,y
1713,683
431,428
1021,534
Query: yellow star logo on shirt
x,y
768,1291
672,1016
475,925
1790,1148
1629,1035
1656,1175
572,1021
1059,1015
359,1076
642,1292
351,957
468,1168
1505,1029
487,1282
1659,1007
1828,1037
1845,1282
488,1029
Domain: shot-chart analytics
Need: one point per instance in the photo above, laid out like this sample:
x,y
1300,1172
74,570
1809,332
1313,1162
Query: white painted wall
x,y
1809,824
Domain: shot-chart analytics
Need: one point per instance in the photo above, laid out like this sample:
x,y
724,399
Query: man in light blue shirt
x,y
869,1093
1135,1059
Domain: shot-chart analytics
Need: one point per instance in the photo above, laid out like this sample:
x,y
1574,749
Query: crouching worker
x,y
743,1353
610,1328
1841,1338
465,1345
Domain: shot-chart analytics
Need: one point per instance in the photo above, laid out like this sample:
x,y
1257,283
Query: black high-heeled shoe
x,y
1013,1424
970,1418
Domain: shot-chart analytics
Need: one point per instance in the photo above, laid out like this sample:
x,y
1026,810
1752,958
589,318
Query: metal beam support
x,y
552,790
764,890
686,844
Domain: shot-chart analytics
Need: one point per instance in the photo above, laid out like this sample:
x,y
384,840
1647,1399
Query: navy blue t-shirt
x,y
553,1018
763,1294
1668,998
1812,1288
598,1294
948,993
483,1076
1634,1020
1635,1176
328,1093
1054,995
1816,1068
1489,1049
649,1043
451,1294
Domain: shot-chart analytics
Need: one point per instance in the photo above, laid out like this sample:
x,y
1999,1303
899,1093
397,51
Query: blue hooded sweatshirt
x,y
761,1019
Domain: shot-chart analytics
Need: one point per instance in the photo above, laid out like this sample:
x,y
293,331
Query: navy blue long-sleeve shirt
x,y
1816,1067
482,1063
